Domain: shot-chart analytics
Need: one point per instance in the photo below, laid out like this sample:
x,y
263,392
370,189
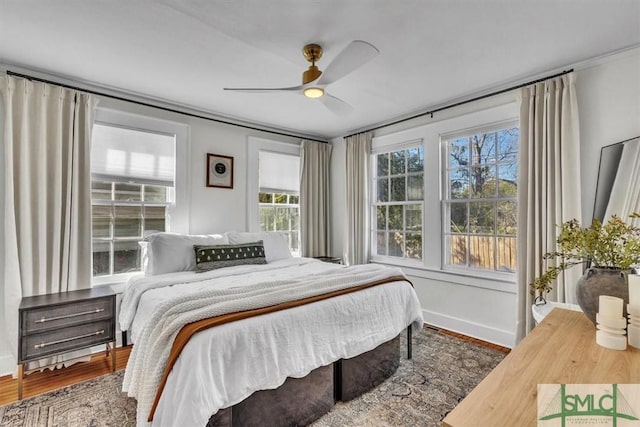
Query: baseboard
x,y
471,329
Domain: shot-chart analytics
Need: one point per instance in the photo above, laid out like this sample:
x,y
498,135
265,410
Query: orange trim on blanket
x,y
190,329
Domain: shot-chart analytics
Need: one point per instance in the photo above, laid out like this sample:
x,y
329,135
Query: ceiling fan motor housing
x,y
312,52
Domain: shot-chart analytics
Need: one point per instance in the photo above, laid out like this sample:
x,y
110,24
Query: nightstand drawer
x,y
71,338
54,317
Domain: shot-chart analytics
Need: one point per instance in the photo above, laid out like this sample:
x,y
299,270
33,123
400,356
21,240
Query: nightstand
x,y
54,324
331,259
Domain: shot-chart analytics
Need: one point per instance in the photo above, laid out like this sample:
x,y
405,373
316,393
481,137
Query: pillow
x,y
145,255
171,252
219,256
276,244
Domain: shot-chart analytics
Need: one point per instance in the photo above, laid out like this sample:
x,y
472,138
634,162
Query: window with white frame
x,y
279,195
397,210
133,191
480,198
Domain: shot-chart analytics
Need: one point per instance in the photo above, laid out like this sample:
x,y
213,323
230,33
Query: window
x,y
133,189
480,198
399,189
278,198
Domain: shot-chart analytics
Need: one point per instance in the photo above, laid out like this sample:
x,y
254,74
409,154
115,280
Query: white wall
x,y
609,108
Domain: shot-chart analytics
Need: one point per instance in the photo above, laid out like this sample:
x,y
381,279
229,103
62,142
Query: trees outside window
x,y
399,189
480,199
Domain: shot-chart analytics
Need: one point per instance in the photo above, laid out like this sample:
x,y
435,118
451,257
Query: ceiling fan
x,y
314,81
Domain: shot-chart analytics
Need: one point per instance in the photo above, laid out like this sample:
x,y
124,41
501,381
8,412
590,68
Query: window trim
x,y
444,137
431,266
254,146
382,149
178,211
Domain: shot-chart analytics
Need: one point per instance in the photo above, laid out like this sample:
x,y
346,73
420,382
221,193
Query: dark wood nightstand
x,y
54,324
331,259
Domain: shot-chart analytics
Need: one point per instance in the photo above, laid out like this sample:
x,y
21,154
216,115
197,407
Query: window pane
x,y
507,218
506,254
267,218
508,184
508,144
398,189
294,200
413,216
457,250
413,247
101,221
395,217
395,243
458,152
381,244
126,257
483,181
128,192
415,160
153,193
458,212
280,198
459,183
381,215
101,258
100,190
481,217
397,163
415,187
481,253
127,222
383,164
265,198
154,219
383,190
483,148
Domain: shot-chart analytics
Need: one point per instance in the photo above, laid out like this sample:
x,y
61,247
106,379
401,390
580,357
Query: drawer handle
x,y
45,344
67,316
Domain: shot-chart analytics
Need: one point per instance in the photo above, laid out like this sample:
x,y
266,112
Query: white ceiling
x,y
431,51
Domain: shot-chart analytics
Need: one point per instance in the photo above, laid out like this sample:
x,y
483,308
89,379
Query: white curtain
x,y
548,186
47,193
356,244
315,158
625,193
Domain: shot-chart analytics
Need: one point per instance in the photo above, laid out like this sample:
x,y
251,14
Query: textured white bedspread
x,y
224,365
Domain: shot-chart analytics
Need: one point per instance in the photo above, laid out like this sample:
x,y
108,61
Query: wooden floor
x,y
42,382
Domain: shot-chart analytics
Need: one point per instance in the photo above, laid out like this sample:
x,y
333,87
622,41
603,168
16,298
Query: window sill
x,y
497,281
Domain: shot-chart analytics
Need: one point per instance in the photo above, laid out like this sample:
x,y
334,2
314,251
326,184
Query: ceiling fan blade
x,y
265,89
335,105
357,53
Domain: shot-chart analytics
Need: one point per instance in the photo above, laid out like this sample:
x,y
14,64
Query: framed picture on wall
x,y
219,171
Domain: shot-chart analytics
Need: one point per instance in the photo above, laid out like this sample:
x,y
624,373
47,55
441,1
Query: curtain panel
x,y
548,187
315,159
47,193
357,233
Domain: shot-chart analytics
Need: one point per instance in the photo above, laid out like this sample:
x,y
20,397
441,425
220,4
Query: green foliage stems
x,y
615,244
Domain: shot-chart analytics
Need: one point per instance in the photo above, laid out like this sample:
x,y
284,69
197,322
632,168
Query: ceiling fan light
x,y
313,92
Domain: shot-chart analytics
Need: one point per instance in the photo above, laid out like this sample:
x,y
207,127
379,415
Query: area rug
x,y
444,369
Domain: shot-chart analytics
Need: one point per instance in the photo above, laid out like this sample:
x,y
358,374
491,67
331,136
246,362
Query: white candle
x,y
610,306
634,289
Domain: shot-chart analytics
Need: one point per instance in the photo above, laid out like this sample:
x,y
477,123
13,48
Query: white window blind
x,y
126,155
279,173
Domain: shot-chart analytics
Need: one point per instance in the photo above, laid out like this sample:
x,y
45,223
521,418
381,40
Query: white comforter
x,y
224,365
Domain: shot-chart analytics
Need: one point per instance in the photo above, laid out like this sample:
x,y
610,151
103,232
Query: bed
x,y
348,316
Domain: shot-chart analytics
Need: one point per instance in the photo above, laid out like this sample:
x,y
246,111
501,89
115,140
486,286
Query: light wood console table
x,y
560,350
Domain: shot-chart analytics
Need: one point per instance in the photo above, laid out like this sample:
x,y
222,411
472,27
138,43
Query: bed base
x,y
300,401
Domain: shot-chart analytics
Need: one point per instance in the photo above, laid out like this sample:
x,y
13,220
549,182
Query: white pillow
x,y
171,252
276,244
